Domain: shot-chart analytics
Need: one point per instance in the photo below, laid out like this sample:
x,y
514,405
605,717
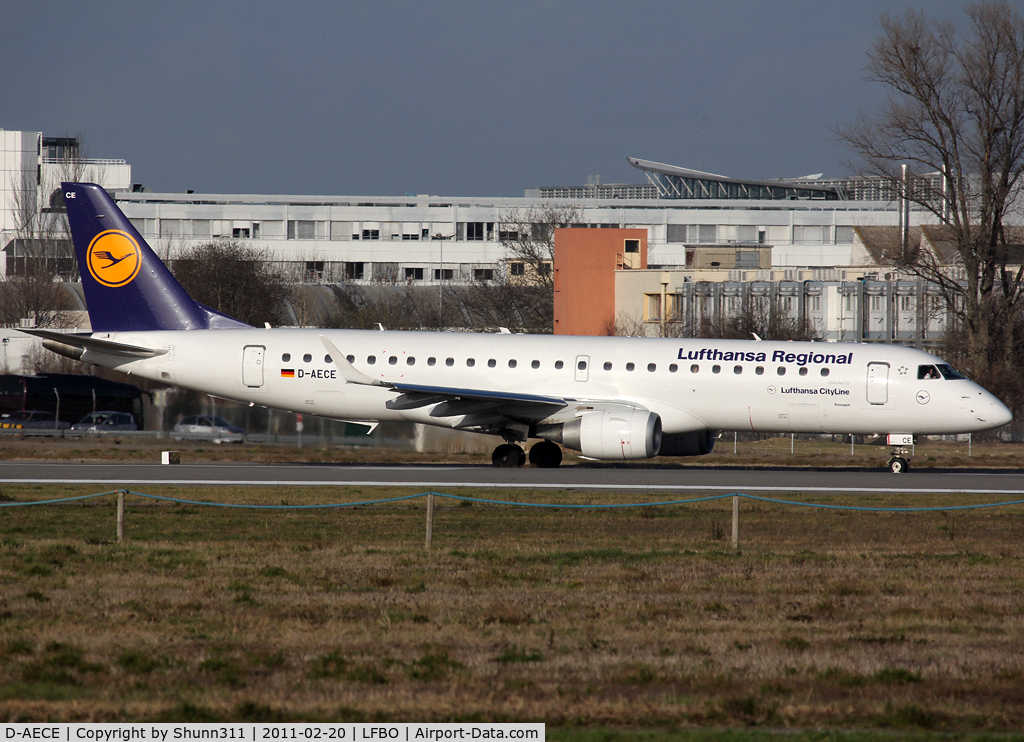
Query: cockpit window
x,y
939,371
949,372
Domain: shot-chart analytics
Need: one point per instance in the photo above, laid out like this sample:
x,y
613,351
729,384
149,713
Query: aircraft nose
x,y
1000,414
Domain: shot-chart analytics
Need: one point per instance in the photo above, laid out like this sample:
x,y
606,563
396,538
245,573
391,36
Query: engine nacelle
x,y
688,444
614,435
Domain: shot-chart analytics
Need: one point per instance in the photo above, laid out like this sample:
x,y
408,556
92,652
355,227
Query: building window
x,y
354,271
474,231
413,274
443,274
517,269
632,246
653,307
483,274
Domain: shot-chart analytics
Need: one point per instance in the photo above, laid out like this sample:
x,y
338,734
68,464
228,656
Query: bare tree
x,y
526,283
506,300
234,278
766,319
956,108
41,254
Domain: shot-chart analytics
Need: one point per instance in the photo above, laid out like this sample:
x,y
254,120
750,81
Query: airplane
x,y
610,398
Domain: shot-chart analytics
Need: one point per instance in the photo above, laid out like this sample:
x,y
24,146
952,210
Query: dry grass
x,y
816,452
579,618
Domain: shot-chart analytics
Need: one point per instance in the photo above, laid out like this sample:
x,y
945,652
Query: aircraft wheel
x,y
508,456
898,465
546,455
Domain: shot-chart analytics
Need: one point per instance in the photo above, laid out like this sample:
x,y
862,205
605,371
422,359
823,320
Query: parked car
x,y
32,420
209,426
105,421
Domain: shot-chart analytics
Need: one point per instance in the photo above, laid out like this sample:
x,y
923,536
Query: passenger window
x,y
928,372
535,364
824,372
803,370
449,362
307,358
652,367
371,360
431,361
327,359
410,361
582,365
672,368
716,369
737,369
694,368
286,357
559,364
607,366
630,366
512,363
492,363
350,358
393,360
471,362
781,371
759,370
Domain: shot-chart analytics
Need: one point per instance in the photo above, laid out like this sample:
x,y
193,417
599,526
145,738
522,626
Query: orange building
x,y
585,264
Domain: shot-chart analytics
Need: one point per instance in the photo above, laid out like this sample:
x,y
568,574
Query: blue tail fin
x,y
126,286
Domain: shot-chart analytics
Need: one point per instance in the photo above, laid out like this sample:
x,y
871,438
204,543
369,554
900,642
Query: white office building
x,y
421,239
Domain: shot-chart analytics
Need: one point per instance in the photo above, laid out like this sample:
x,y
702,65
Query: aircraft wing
x,y
456,400
107,347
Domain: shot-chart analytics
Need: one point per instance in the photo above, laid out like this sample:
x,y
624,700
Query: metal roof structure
x,y
680,182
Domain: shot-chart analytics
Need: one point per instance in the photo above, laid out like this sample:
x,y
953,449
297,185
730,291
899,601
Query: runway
x,y
611,478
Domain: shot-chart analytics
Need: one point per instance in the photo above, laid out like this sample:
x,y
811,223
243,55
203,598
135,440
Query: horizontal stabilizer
x,y
106,347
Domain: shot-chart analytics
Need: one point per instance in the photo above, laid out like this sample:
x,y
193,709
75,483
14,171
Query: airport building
x,y
711,243
422,239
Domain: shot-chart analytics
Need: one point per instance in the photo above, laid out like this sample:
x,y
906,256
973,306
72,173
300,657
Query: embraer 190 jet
x,y
609,398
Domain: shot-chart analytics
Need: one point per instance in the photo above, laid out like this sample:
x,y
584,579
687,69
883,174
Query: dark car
x,y
107,420
32,420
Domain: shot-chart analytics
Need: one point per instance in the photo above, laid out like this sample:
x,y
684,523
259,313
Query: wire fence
x,y
430,497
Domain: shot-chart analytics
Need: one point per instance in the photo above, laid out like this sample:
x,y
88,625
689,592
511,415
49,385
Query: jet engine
x,y
614,434
688,444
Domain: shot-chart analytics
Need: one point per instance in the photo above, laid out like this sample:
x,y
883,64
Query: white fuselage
x,y
692,384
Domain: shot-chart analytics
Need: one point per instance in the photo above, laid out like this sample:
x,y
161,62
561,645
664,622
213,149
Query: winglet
x,y
348,372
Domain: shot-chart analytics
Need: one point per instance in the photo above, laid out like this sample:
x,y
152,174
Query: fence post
x,y
120,516
736,521
430,519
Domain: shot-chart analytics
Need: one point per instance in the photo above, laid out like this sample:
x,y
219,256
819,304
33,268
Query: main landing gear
x,y
544,455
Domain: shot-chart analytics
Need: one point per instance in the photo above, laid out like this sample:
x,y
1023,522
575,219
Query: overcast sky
x,y
450,98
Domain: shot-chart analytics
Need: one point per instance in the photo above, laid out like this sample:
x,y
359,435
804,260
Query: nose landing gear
x,y
897,463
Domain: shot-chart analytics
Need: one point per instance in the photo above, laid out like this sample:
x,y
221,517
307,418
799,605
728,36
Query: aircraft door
x,y
252,365
878,383
582,368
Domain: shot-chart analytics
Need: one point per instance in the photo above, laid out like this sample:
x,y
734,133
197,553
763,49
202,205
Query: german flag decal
x,y
288,373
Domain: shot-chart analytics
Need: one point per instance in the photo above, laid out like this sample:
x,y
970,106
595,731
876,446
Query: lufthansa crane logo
x,y
114,258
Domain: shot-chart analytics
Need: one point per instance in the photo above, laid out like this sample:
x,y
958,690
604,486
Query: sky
x,y
452,97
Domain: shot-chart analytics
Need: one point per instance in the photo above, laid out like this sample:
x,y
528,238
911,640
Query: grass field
x,y
585,619
776,451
